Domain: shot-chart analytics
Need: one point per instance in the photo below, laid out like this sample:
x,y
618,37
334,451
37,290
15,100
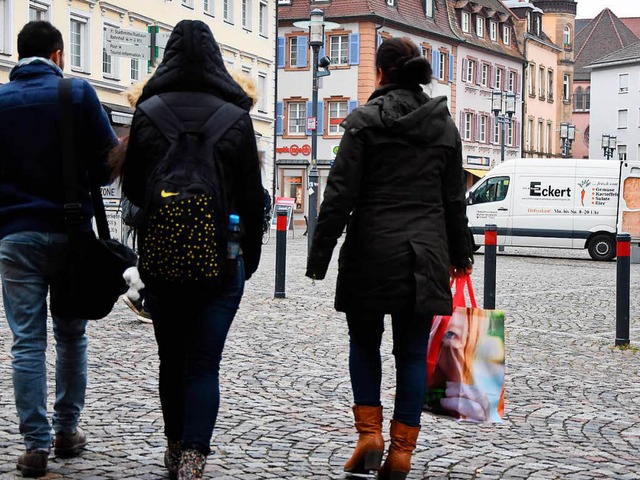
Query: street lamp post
x,y
316,26
504,108
609,145
567,136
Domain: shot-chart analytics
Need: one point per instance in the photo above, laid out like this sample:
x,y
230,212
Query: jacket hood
x,y
193,62
406,113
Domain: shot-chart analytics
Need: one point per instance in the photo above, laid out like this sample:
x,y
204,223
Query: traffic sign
x,y
131,37
162,38
130,51
311,123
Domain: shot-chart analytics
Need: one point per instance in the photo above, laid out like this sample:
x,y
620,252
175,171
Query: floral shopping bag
x,y
465,361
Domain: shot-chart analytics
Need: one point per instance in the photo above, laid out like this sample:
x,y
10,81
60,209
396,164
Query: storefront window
x,y
293,189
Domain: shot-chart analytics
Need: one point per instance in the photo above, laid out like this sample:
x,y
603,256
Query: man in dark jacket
x,y
32,237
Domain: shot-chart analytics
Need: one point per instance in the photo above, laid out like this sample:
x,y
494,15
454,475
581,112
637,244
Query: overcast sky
x,y
622,8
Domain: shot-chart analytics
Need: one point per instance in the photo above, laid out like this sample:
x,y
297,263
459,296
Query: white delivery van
x,y
549,202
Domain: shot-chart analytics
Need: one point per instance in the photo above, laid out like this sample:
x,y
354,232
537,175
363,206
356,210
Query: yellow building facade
x,y
245,30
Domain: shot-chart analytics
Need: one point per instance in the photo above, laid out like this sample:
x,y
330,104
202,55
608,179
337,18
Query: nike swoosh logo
x,y
164,194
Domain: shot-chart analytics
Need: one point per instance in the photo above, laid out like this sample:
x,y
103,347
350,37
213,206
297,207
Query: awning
x,y
477,173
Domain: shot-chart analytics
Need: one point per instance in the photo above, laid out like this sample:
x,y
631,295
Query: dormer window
x,y
493,31
429,8
480,26
537,25
391,3
529,24
506,35
465,21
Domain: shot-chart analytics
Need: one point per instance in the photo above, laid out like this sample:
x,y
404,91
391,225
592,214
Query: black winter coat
x,y
193,63
397,183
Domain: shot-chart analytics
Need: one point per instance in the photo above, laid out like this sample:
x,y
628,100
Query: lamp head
x,y
496,101
316,28
605,140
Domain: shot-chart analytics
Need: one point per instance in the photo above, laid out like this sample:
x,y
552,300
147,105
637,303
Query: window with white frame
x,y
296,113
566,84
471,70
79,43
39,11
135,69
109,62
465,21
337,112
246,14
493,31
539,138
5,27
187,3
442,64
496,132
484,121
484,76
531,79
529,133
263,93
293,51
227,10
623,118
622,152
208,7
550,84
509,132
513,78
466,126
480,26
339,49
623,83
541,82
499,78
567,35
263,18
547,139
506,35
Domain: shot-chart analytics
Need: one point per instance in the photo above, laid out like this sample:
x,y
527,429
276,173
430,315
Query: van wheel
x,y
602,247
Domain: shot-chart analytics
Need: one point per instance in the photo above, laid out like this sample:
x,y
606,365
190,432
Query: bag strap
x,y
73,214
163,117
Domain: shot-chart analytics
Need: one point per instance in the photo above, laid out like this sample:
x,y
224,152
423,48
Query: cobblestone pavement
x,y
573,408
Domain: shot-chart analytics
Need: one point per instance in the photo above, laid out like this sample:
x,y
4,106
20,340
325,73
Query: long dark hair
x,y
402,63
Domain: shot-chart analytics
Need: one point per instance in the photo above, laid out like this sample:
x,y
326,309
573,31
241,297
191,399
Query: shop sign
x,y
295,150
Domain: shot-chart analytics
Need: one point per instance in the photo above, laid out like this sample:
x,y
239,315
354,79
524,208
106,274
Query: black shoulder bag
x,y
89,281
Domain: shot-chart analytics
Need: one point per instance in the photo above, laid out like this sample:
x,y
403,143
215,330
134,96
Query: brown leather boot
x,y
368,453
403,443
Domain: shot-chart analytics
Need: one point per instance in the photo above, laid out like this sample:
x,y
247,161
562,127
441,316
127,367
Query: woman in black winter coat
x,y
191,326
397,186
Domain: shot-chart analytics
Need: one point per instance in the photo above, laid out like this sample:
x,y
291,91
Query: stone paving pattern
x,y
572,401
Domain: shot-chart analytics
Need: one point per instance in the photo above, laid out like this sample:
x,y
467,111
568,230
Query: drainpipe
x,y
275,109
525,72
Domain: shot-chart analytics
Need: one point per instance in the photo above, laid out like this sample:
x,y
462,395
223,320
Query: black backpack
x,y
183,242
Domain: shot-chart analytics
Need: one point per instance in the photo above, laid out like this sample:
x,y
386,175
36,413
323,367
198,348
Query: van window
x,y
493,190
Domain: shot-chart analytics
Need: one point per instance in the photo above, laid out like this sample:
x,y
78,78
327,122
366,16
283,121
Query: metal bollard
x,y
490,243
623,285
281,252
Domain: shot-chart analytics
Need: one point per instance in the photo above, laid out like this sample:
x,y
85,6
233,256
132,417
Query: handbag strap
x,y
73,214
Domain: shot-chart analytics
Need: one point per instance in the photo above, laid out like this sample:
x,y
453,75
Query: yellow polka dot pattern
x,y
180,245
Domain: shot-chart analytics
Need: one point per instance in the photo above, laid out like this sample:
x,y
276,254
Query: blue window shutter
x,y
281,54
354,49
279,118
309,114
353,104
452,65
435,63
320,119
302,51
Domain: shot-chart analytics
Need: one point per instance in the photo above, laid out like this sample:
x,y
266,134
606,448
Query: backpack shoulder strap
x,y
162,117
220,122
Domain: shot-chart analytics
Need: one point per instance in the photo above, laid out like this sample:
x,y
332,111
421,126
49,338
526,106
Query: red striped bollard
x,y
281,251
623,286
490,244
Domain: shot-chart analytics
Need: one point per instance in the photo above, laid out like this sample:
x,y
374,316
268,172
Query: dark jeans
x,y
191,333
410,339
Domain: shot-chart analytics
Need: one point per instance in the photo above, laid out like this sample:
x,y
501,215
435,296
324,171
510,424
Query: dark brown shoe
x,y
68,445
33,463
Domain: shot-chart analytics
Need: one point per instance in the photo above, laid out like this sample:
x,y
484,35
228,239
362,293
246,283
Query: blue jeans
x,y
191,332
410,339
27,263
